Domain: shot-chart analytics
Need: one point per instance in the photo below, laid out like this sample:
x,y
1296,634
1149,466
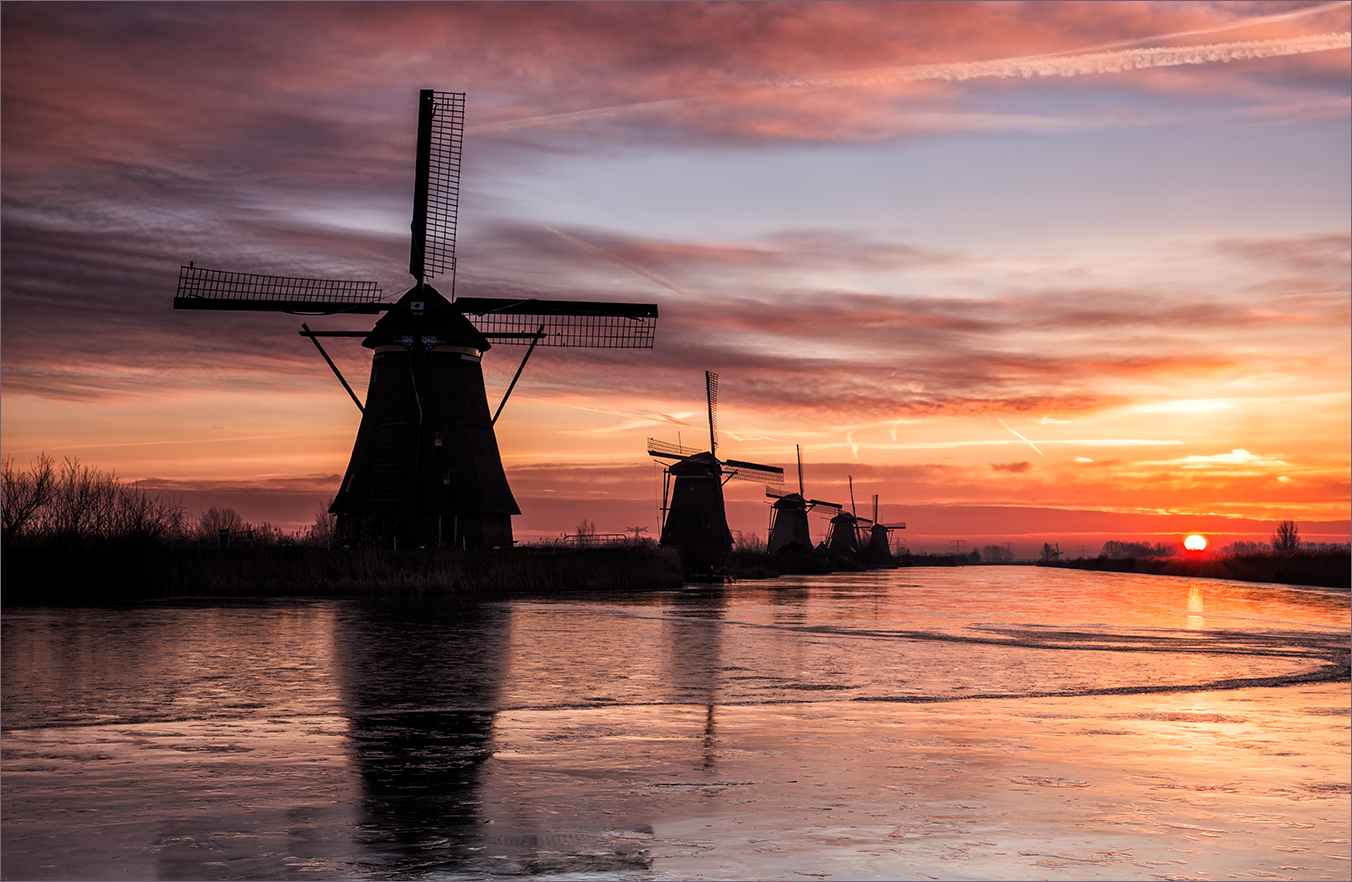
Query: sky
x,y
1027,271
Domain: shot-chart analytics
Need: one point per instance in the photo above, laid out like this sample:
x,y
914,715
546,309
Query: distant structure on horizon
x,y
694,519
425,467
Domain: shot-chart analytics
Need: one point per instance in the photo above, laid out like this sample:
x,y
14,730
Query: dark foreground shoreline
x,y
53,575
1319,569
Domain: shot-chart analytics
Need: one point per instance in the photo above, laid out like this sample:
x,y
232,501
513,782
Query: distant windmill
x,y
789,529
879,549
425,467
844,536
696,521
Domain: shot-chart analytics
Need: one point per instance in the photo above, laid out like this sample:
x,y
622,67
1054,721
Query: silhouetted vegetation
x,y
1323,567
1117,550
75,506
1287,538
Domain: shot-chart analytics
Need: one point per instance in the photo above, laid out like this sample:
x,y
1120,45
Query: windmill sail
x,y
711,394
436,189
751,471
200,288
669,450
580,323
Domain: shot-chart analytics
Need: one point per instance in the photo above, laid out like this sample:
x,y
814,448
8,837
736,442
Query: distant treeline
x,y
1321,567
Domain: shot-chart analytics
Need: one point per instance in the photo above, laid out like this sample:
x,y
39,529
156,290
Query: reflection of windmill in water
x,y
789,529
425,467
695,520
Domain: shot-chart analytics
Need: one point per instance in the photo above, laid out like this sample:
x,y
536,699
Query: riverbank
x,y
1322,569
56,575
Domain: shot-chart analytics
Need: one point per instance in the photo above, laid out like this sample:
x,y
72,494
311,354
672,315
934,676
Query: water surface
x,y
984,722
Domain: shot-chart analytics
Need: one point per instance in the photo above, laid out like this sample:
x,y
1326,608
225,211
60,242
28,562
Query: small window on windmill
x,y
446,476
417,306
436,439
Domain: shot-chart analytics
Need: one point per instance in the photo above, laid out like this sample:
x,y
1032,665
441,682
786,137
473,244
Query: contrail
x,y
587,246
1086,63
1231,26
1085,60
854,448
1030,443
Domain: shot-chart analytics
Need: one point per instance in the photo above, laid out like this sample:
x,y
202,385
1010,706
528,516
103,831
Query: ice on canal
x,y
983,722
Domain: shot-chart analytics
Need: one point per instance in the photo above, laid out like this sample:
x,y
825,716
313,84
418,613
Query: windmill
x,y
879,550
695,521
425,467
843,538
789,529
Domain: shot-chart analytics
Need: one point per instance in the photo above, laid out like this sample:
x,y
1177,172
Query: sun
x,y
1195,543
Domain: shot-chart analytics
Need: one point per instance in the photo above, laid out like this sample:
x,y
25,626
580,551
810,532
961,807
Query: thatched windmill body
x,y
695,519
425,467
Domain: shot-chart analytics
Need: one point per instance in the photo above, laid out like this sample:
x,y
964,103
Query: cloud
x,y
1016,468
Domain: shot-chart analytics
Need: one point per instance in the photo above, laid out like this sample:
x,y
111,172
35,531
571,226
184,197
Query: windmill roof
x,y
436,317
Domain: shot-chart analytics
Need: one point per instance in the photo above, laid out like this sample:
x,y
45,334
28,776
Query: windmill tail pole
x,y
850,478
337,373
539,334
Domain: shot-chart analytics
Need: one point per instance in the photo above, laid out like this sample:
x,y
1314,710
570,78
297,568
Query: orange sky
x,y
998,260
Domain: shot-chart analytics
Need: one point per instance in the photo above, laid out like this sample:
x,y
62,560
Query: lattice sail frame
x,y
752,471
669,450
436,195
593,325
201,288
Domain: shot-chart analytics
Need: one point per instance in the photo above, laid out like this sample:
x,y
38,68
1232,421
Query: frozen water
x,y
983,722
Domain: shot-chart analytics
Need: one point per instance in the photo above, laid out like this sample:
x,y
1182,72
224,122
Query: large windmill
x,y
425,467
695,521
789,529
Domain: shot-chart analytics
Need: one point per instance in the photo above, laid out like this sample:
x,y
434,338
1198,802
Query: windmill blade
x,y
711,392
751,471
900,526
815,503
436,191
671,451
774,494
581,323
200,288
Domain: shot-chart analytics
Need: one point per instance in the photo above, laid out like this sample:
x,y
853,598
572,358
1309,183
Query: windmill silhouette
x,y
878,549
847,533
789,529
695,521
425,467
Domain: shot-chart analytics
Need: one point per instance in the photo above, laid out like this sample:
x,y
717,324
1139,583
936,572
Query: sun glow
x,y
1195,543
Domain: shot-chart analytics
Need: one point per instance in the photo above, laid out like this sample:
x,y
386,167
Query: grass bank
x,y
82,575
1324,569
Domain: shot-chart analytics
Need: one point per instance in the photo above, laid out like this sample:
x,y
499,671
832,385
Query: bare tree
x,y
1287,537
24,494
1051,552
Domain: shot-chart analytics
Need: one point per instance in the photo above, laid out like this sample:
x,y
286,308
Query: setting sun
x,y
1195,543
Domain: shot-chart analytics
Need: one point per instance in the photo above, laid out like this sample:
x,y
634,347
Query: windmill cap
x,y
423,313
